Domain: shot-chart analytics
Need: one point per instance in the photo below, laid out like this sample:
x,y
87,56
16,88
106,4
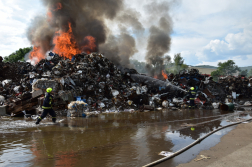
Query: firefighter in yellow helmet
x,y
192,94
47,106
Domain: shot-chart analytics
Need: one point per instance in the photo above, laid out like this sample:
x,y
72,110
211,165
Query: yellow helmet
x,y
49,90
192,88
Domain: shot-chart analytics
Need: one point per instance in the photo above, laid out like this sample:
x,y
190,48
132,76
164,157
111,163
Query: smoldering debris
x,y
88,77
94,80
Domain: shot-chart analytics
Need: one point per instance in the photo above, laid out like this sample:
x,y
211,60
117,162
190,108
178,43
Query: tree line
x,y
229,68
168,65
18,55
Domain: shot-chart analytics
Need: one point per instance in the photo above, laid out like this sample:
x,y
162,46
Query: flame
x,y
65,44
155,76
89,44
49,16
58,6
36,55
164,75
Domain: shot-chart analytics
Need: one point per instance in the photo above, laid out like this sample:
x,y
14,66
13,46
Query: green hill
x,y
206,66
213,67
246,68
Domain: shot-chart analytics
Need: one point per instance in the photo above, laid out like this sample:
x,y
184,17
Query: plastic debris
x,y
215,105
106,88
247,103
166,153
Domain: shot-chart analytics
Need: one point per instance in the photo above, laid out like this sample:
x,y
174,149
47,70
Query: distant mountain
x,y
213,67
246,68
206,66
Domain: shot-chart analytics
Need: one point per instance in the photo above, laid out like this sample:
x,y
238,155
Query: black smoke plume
x,y
159,39
89,18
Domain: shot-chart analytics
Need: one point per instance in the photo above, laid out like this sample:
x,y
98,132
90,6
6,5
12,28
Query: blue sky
x,y
204,31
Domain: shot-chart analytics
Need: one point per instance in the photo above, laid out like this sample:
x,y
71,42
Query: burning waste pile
x,y
85,82
90,84
92,81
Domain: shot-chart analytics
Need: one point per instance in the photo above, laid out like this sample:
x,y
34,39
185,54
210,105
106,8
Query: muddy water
x,y
110,140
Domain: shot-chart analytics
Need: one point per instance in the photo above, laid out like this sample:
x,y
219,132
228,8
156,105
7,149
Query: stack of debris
x,y
237,86
207,90
210,92
95,80
91,78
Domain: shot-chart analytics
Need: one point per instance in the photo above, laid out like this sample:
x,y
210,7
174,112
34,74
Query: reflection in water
x,y
122,139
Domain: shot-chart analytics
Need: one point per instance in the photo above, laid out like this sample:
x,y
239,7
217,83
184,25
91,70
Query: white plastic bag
x,y
114,92
215,105
144,89
2,98
165,103
16,89
101,105
62,81
7,81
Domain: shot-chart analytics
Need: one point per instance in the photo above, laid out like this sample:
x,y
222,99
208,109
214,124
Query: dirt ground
x,y
234,150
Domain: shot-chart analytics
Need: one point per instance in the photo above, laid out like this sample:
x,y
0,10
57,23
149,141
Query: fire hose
x,y
192,144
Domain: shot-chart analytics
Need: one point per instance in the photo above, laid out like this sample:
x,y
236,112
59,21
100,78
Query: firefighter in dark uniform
x,y
192,94
47,106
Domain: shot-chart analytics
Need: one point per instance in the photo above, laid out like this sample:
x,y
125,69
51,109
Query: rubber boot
x,y
54,120
38,120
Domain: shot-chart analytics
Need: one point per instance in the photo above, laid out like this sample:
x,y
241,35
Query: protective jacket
x,y
192,94
48,101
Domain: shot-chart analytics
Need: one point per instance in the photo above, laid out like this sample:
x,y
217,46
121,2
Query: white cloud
x,y
223,29
186,46
211,18
15,18
236,46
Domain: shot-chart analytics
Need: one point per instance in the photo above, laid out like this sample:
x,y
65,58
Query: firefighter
x,y
47,106
192,94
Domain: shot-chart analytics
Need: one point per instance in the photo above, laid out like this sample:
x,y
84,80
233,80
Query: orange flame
x,y
164,75
90,46
155,76
49,13
49,16
36,55
58,6
65,44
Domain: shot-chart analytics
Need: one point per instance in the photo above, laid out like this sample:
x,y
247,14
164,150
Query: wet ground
x,y
110,140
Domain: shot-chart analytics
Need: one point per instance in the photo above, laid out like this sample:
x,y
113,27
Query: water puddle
x,y
120,139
